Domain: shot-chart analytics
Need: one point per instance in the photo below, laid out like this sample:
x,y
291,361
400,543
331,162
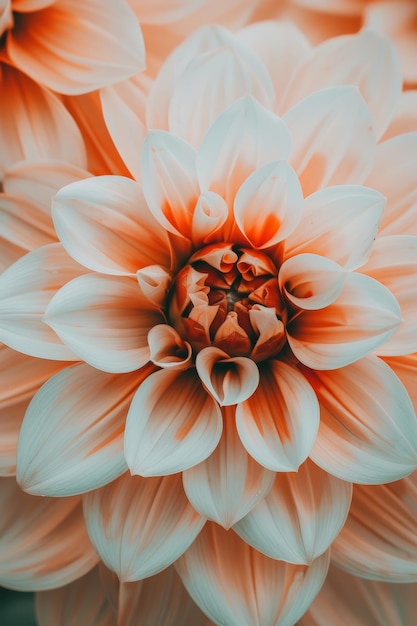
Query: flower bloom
x,y
226,319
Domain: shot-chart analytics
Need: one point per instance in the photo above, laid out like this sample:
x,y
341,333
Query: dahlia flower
x,y
235,328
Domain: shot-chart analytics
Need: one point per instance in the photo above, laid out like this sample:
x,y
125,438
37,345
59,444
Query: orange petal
x,y
333,139
238,586
278,423
368,428
379,540
139,526
299,517
80,602
105,320
71,440
75,46
167,349
105,224
228,484
44,543
172,424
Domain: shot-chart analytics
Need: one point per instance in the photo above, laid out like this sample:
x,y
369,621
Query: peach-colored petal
x,y
393,262
278,423
139,525
238,586
405,118
368,428
24,223
71,440
154,282
74,46
102,155
340,223
395,175
81,602
21,378
379,540
206,39
105,320
232,71
268,205
281,46
405,367
173,423
240,140
167,349
105,224
228,484
160,600
44,543
360,320
169,181
299,517
333,139
34,123
39,180
6,16
397,19
24,6
9,253
26,289
367,60
229,380
310,281
124,113
345,600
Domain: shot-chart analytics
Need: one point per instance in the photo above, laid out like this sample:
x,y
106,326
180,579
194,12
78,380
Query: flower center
x,y
228,296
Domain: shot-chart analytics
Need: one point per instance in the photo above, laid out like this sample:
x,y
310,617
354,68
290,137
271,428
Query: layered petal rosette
x,y
237,328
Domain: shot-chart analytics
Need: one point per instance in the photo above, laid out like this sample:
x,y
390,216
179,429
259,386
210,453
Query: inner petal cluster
x,y
228,296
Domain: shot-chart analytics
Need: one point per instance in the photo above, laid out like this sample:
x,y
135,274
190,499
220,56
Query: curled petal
x,y
73,46
154,282
139,526
82,601
367,60
360,320
105,320
26,289
238,586
368,428
44,542
340,223
229,380
278,423
169,181
167,349
311,281
209,216
172,424
385,549
268,205
71,438
228,484
333,138
105,224
299,517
